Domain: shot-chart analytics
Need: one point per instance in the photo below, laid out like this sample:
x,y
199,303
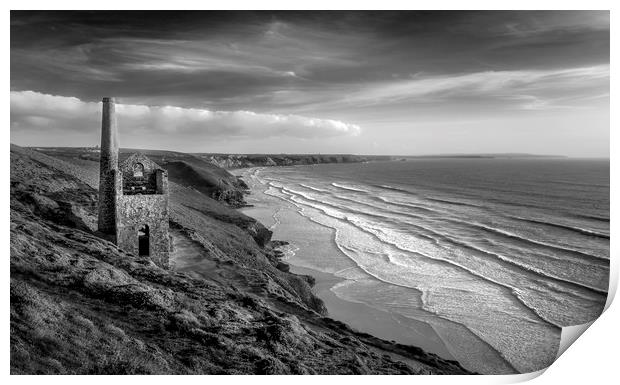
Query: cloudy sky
x,y
316,82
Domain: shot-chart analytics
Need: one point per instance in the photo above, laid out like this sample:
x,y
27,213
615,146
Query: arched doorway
x,y
143,240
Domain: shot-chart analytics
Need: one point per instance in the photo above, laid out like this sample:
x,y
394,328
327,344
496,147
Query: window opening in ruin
x,y
143,240
138,170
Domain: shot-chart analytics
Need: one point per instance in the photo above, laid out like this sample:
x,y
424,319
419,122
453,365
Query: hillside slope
x,y
193,174
81,305
184,169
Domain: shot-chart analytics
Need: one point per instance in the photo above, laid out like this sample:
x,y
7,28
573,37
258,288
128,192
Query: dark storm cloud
x,y
225,59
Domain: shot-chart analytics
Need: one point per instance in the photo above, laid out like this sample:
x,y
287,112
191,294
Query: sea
x,y
481,260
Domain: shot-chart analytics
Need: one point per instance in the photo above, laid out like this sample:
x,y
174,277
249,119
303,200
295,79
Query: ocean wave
x,y
523,239
435,237
430,234
393,188
350,188
572,183
384,238
392,210
590,216
380,213
453,202
314,188
527,268
406,205
376,233
344,213
275,185
588,232
515,291
390,202
424,231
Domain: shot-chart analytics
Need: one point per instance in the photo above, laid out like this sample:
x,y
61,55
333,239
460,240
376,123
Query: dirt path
x,y
190,257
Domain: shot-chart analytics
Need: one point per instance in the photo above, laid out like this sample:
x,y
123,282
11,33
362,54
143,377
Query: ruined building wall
x,y
136,208
135,211
144,184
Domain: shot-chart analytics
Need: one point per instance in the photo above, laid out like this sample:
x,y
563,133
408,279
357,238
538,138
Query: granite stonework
x,y
145,205
107,169
133,196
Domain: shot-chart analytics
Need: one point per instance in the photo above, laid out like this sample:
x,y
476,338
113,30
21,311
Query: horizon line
x,y
435,155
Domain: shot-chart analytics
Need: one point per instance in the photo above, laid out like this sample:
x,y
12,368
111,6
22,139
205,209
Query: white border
x,y
592,359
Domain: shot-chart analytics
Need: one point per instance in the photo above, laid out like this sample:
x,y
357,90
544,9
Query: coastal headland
x,y
229,305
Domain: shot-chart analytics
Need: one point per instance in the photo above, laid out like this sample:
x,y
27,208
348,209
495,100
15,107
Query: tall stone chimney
x,y
108,168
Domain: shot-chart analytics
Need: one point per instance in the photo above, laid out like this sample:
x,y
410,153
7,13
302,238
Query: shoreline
x,y
376,322
358,315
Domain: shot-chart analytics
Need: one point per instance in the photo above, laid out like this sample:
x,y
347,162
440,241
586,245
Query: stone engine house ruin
x,y
133,197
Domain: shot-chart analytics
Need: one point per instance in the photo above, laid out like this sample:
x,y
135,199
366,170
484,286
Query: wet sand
x,y
379,323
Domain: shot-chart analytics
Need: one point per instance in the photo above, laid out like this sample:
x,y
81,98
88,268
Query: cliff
x,y
261,160
80,305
